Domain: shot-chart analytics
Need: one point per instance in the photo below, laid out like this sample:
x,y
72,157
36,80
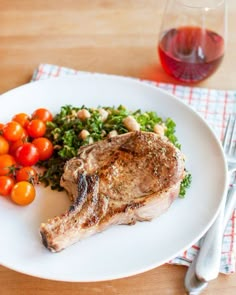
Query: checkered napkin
x,y
214,106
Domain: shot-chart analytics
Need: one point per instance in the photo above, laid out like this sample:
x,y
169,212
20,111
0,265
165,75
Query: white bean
x,y
90,140
84,134
83,114
103,114
112,133
159,129
131,124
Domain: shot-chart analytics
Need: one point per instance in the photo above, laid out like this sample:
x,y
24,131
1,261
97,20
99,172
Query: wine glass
x,y
192,39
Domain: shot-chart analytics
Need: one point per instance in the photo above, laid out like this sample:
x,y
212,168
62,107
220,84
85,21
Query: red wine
x,y
191,54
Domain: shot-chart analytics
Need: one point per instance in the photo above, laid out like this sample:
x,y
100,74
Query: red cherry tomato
x,y
27,154
12,131
4,145
22,119
23,193
42,114
1,127
7,164
24,135
27,174
44,147
6,185
15,144
36,128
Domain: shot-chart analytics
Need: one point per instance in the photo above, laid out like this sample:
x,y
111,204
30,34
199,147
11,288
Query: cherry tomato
x,y
27,174
42,114
44,147
23,193
6,185
36,128
22,119
24,135
15,144
7,164
27,154
12,131
4,145
1,127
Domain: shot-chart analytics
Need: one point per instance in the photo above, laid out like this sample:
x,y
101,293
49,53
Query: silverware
x,y
193,284
205,266
229,142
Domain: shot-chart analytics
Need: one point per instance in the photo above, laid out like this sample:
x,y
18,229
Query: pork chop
x,y
127,178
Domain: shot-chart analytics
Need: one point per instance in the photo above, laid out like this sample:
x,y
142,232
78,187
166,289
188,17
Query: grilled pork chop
x,y
130,177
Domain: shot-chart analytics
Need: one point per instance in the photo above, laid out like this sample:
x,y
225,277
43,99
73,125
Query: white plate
x,y
121,250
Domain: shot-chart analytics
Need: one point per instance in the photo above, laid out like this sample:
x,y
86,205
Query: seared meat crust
x,y
130,177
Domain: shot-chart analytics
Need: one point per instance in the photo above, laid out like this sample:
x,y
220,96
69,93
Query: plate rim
x,y
146,84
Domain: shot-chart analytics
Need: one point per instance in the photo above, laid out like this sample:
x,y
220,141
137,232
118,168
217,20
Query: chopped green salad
x,y
74,127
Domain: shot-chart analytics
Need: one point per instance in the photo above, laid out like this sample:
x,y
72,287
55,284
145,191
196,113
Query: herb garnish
x,y
65,128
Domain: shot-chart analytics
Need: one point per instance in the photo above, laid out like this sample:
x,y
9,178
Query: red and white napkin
x,y
214,106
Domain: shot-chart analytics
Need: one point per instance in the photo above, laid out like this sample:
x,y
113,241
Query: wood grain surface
x,y
109,36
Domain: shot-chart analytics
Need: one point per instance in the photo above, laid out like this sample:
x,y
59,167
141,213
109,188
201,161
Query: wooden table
x,y
117,37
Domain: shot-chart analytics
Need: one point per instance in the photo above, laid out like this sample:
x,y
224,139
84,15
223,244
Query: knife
x,y
193,283
209,257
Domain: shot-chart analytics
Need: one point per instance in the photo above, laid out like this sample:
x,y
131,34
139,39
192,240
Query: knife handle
x,y
208,261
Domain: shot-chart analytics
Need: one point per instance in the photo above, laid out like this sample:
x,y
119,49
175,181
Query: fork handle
x,y
230,200
230,205
208,262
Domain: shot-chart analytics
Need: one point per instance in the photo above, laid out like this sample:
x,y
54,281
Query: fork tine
x,y
226,135
231,140
234,130
229,136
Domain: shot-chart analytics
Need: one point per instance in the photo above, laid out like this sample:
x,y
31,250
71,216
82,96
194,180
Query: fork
x,y
229,143
205,266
